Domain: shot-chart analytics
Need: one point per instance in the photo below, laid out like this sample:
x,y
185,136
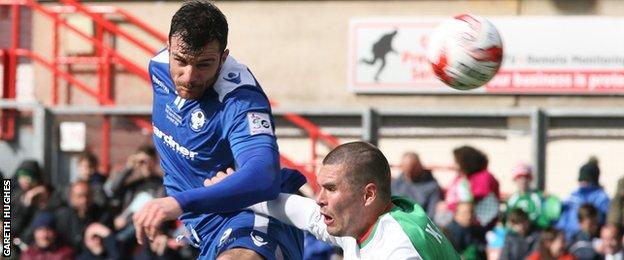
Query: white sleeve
x,y
300,212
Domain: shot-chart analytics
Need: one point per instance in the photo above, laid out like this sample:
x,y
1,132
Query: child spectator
x,y
467,236
551,246
522,239
525,198
610,245
582,245
589,191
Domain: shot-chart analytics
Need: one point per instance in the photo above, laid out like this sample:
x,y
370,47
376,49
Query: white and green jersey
x,y
404,232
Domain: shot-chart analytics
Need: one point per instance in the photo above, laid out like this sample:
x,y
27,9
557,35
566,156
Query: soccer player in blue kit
x,y
209,113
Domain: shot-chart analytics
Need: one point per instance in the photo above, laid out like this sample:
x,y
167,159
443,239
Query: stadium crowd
x,y
92,218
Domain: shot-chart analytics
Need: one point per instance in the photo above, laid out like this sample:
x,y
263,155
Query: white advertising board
x,y
542,55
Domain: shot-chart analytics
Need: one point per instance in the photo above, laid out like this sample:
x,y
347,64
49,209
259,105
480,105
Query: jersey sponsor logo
x,y
159,83
198,119
233,77
259,123
257,240
175,146
434,232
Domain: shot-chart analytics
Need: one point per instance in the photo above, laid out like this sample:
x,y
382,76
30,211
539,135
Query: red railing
x,y
9,62
104,57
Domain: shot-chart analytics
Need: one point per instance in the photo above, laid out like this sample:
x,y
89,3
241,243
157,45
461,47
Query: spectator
x,y
474,182
99,243
87,171
582,242
130,189
589,191
495,239
44,200
551,246
163,246
525,198
139,175
30,186
465,234
610,245
616,211
80,213
47,243
522,238
417,184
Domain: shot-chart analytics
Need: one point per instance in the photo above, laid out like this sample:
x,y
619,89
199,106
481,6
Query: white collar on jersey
x,y
232,76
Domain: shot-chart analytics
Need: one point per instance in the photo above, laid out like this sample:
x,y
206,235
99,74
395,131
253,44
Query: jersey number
x,y
434,232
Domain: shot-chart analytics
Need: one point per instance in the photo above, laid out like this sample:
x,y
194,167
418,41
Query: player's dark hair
x,y
198,23
363,163
470,160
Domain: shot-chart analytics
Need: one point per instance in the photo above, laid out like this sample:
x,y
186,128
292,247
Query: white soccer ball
x,y
465,52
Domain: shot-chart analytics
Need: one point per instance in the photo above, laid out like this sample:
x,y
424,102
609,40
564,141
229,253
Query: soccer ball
x,y
465,52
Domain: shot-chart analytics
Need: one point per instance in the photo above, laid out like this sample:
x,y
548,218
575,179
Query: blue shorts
x,y
264,235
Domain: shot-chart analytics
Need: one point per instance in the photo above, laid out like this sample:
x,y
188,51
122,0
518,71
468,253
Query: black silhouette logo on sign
x,y
381,48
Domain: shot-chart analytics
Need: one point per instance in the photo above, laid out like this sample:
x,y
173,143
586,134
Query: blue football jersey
x,y
197,138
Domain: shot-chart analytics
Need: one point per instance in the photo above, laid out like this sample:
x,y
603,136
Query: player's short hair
x,y
469,159
198,23
587,211
364,163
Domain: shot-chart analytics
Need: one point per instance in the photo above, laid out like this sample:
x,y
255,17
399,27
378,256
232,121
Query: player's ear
x,y
168,45
370,193
224,55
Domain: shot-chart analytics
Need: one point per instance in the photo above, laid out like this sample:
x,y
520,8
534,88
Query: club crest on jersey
x,y
259,123
233,77
198,119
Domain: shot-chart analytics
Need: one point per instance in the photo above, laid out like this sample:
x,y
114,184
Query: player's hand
x,y
159,245
149,219
218,177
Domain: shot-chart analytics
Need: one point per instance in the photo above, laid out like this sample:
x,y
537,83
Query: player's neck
x,y
370,222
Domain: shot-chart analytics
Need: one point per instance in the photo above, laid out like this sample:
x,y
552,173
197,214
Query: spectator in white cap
x,y
525,197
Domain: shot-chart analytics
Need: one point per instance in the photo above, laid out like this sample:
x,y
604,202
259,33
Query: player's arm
x,y
248,127
294,210
297,211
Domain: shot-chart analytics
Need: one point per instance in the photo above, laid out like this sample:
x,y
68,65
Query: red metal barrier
x,y
7,116
100,21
